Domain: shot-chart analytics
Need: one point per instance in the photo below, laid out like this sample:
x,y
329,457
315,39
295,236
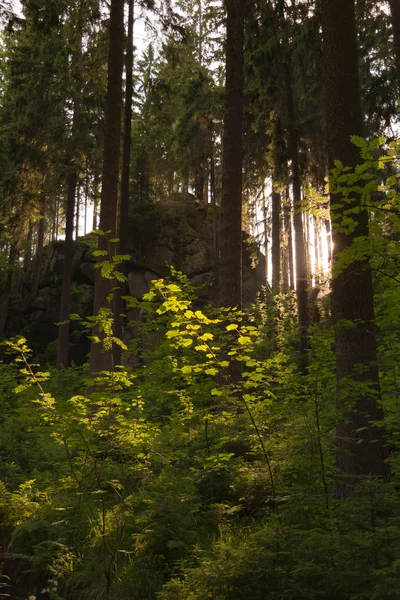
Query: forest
x,y
199,299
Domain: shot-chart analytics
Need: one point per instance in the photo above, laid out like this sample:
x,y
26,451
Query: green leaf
x,y
202,348
172,333
216,392
211,371
206,336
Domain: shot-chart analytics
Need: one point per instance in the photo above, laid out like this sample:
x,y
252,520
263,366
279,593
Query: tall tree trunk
x,y
100,360
57,216
63,332
395,14
78,206
53,224
199,183
126,164
95,200
361,450
230,268
301,259
86,198
266,235
307,240
284,262
126,153
328,231
317,251
28,248
276,239
213,192
288,226
7,291
39,250
72,180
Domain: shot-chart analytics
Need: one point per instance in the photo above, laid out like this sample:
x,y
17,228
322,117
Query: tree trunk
x,y
230,268
276,240
301,259
57,216
288,226
95,200
266,235
63,332
361,450
126,153
53,225
307,240
28,248
86,198
395,14
100,360
328,230
7,292
126,163
72,179
199,183
213,193
39,250
78,205
317,252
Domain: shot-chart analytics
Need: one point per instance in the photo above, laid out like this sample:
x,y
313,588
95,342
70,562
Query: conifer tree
x,y
395,14
100,360
230,266
361,450
72,180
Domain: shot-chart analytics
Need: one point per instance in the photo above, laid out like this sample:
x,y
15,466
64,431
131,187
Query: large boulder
x,y
179,232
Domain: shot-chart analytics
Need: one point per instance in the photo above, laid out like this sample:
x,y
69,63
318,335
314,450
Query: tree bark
x,y
7,292
361,449
301,258
126,153
39,250
100,360
213,192
287,211
266,235
126,164
28,248
63,332
230,271
328,230
276,240
78,206
395,14
72,179
317,253
95,200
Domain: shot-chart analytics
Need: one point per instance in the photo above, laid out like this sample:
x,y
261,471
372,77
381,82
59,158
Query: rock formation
x,y
178,233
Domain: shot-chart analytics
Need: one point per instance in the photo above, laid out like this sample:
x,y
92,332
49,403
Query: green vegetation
x,y
172,480
233,432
